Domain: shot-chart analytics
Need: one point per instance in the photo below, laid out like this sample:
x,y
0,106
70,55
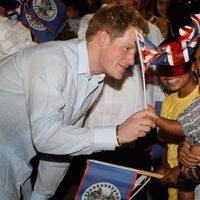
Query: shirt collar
x,y
83,67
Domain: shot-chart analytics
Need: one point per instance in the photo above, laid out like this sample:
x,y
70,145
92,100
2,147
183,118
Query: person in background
x,y
160,18
13,35
86,18
146,8
75,10
45,92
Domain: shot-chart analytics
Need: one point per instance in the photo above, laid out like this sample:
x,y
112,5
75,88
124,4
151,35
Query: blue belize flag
x,y
45,19
106,182
51,13
37,29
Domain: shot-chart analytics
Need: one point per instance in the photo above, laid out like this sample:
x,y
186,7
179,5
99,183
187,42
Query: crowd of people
x,y
80,94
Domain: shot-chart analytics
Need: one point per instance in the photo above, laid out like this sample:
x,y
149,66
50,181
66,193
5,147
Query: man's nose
x,y
131,59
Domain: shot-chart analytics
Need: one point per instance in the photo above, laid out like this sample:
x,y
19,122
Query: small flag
x,y
180,51
106,181
149,52
50,13
173,53
37,29
45,19
103,180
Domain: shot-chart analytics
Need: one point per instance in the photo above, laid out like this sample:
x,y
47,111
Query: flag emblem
x,y
102,190
34,23
46,10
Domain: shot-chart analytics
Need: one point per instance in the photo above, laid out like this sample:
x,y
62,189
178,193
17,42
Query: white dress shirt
x,y
45,91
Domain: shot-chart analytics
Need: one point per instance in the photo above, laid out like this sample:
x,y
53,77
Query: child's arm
x,y
170,126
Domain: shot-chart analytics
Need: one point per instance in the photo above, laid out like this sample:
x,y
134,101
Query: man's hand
x,y
136,126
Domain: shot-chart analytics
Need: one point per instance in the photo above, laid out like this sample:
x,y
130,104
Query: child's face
x,y
182,83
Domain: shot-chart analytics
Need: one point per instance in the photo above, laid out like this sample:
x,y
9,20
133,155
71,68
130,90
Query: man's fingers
x,y
148,121
145,113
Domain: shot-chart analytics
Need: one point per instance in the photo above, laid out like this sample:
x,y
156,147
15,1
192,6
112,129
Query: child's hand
x,y
171,176
162,170
151,108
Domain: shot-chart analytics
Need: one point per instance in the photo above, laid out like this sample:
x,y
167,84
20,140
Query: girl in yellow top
x,y
184,88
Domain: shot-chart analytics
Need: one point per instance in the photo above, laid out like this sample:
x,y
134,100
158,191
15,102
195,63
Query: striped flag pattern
x,y
174,53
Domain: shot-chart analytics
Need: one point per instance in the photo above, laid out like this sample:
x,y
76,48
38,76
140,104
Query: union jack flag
x,y
149,51
174,53
180,51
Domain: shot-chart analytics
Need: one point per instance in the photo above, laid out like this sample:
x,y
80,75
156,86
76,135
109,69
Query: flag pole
x,y
146,173
142,69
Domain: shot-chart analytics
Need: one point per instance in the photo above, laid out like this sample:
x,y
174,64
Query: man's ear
x,y
102,38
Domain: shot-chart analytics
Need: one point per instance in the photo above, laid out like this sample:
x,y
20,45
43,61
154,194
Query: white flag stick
x,y
142,70
140,183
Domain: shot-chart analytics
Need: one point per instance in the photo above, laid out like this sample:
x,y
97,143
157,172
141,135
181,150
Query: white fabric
x,y
44,186
13,36
83,25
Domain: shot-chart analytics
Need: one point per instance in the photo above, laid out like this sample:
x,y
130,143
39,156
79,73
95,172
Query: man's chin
x,y
119,76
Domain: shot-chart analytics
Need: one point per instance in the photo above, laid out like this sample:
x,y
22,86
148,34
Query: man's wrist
x,y
117,136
